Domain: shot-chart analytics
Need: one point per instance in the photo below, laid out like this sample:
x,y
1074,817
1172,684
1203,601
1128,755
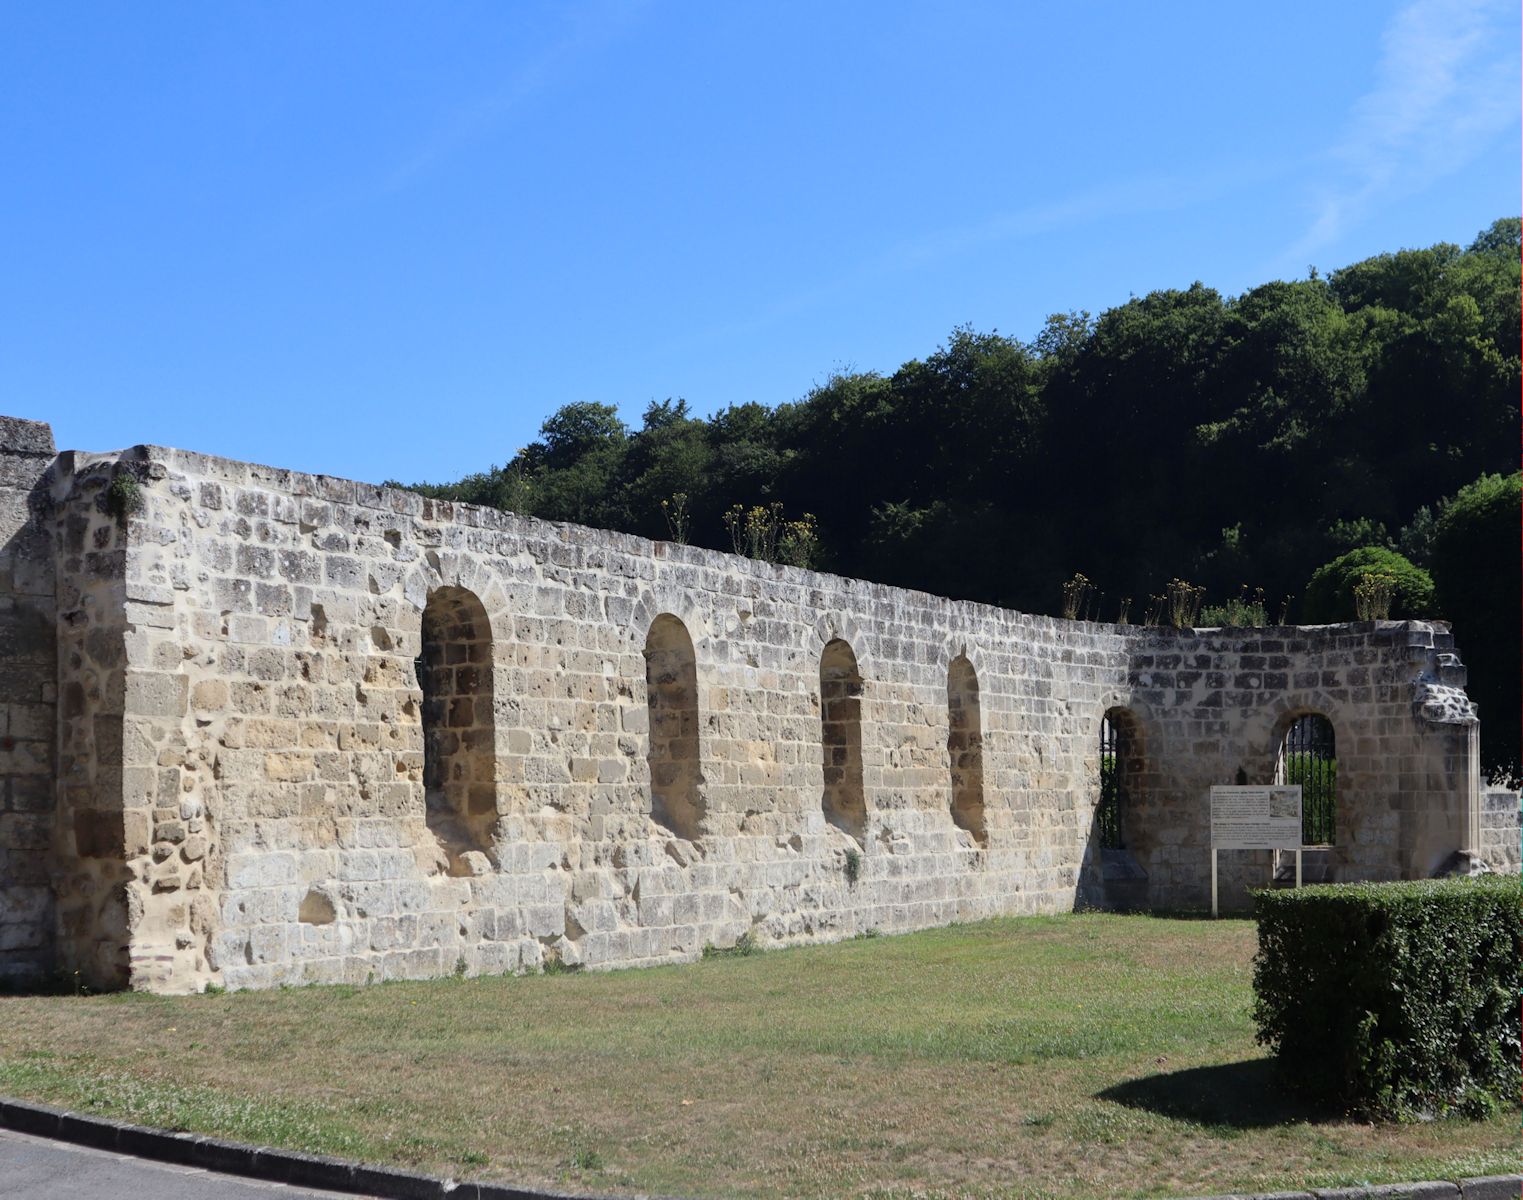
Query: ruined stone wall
x,y
1213,707
28,702
282,702
320,731
1501,835
290,704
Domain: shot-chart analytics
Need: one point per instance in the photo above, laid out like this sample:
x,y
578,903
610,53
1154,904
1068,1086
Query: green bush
x,y
1480,588
1330,594
1394,1000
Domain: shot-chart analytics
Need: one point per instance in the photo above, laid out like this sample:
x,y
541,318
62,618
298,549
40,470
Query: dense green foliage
x,y
1224,440
1479,575
1394,999
1330,594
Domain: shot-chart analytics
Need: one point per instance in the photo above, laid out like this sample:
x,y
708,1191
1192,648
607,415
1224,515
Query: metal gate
x,y
1309,756
1108,814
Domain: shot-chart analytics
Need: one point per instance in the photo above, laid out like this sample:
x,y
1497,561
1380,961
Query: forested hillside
x,y
1231,442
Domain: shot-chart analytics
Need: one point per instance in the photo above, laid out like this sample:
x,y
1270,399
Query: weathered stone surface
x,y
28,700
20,436
1501,847
314,730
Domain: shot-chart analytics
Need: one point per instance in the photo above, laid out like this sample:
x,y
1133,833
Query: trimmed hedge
x,y
1394,1000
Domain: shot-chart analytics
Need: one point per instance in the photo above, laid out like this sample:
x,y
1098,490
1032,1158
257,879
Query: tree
x,y
577,430
1479,577
575,466
1236,440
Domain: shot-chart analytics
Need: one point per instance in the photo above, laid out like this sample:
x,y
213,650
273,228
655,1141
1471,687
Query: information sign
x,y
1256,818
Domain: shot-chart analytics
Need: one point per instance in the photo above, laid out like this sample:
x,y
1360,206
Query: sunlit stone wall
x,y
322,731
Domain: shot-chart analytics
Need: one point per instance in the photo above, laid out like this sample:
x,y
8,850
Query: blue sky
x,y
385,240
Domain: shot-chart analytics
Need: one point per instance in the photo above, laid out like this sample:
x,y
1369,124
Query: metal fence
x,y
1309,756
1108,814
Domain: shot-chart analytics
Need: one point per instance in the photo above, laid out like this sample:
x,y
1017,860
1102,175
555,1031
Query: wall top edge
x,y
338,489
18,435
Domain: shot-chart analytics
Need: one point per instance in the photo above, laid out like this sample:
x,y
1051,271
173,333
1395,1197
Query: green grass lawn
x,y
1074,1056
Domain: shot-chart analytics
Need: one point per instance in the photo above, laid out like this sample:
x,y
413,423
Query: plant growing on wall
x,y
678,519
124,495
763,532
1076,593
798,543
1184,603
753,531
1242,611
1372,597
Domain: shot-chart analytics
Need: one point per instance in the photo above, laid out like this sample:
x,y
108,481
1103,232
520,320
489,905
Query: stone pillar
x,y
1472,842
1441,820
28,702
91,877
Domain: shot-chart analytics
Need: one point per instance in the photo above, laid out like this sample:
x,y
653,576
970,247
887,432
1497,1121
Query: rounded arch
x,y
654,603
838,626
454,672
1305,747
965,748
440,571
673,749
843,800
965,648
1123,761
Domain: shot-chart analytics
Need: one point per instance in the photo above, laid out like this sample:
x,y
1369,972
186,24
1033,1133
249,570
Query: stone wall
x,y
1213,706
1501,836
322,731
28,701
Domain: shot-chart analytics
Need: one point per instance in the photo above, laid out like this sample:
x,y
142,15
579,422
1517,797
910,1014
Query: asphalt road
x,y
33,1168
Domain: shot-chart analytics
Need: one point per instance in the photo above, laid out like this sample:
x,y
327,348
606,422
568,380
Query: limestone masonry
x,y
263,727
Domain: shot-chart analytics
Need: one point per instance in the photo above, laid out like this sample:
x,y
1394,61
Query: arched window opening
x,y
459,747
1120,763
671,696
843,802
965,749
1308,755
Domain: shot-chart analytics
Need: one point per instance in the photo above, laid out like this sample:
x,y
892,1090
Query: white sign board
x,y
1256,818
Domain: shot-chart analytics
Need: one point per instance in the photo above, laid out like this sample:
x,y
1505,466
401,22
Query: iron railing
x,y
1309,756
1108,813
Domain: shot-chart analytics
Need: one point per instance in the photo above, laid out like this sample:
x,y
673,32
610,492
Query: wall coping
x,y
337,489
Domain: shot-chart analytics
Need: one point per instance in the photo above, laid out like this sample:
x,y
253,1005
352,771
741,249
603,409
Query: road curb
x,y
1489,1187
263,1162
341,1175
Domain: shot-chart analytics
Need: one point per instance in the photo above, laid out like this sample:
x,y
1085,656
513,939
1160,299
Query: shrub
x,y
1330,594
1395,1000
1244,611
124,495
1480,588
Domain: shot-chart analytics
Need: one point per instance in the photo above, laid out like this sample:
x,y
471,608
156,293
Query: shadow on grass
x,y
1170,914
1241,1095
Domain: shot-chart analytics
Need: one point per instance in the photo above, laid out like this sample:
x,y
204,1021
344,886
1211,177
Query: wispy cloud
x,y
592,27
1446,89
1154,193
1126,198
